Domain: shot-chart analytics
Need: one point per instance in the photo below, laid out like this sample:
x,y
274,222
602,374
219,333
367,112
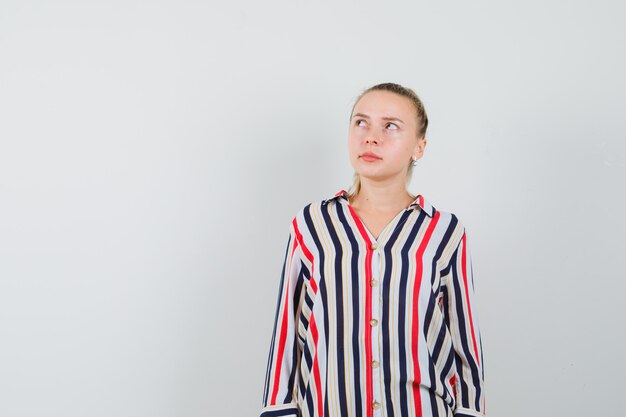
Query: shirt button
x,y
374,364
373,322
373,246
373,283
376,405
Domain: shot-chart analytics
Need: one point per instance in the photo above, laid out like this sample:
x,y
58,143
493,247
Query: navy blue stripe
x,y
277,413
295,306
463,333
309,397
322,290
433,397
403,312
447,367
427,322
356,317
339,309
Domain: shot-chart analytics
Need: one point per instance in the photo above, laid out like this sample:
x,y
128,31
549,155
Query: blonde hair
x,y
422,124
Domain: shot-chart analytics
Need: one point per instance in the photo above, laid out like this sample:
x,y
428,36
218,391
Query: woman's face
x,y
384,124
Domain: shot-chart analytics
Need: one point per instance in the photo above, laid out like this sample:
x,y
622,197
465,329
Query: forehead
x,y
385,103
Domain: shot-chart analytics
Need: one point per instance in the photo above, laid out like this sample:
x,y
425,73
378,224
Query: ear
x,y
419,148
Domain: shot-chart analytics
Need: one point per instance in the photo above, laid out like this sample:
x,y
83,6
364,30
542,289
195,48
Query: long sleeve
x,y
463,322
281,379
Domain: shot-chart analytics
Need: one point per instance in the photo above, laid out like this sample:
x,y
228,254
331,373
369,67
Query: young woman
x,y
376,312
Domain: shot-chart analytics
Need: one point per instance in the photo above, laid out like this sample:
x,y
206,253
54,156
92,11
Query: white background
x,y
152,155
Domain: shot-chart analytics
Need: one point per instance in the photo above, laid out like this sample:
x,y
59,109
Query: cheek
x,y
353,144
407,147
401,153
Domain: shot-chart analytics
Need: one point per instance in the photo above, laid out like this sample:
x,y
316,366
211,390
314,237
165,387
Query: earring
x,y
414,161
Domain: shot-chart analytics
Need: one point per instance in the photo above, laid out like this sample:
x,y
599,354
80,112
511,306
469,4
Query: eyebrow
x,y
365,116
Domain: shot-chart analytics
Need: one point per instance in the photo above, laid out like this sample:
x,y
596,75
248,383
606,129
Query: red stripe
x,y
452,381
368,312
305,250
283,330
307,253
415,323
469,310
316,369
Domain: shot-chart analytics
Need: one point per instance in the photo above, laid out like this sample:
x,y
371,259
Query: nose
x,y
371,139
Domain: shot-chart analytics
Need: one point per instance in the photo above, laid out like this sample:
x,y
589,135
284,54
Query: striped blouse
x,y
375,327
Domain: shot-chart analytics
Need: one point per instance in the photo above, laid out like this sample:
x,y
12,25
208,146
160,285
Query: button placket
x,y
374,328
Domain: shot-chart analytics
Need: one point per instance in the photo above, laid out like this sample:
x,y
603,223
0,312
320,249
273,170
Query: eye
x,y
359,121
395,126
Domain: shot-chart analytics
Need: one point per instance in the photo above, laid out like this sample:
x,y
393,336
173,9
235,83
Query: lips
x,y
369,156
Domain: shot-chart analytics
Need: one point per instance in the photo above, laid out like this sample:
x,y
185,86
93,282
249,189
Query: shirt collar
x,y
419,201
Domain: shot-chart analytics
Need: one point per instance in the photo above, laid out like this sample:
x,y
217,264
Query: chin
x,y
374,176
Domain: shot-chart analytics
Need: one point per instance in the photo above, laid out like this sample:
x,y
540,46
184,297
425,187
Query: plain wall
x,y
152,155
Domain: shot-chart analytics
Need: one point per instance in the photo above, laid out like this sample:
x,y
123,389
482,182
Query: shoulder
x,y
453,220
319,205
312,215
308,211
452,226
302,215
445,218
451,231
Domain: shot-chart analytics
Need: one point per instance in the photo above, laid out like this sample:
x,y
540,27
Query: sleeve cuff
x,y
290,409
466,412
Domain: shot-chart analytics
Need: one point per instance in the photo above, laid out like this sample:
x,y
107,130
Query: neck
x,y
375,196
